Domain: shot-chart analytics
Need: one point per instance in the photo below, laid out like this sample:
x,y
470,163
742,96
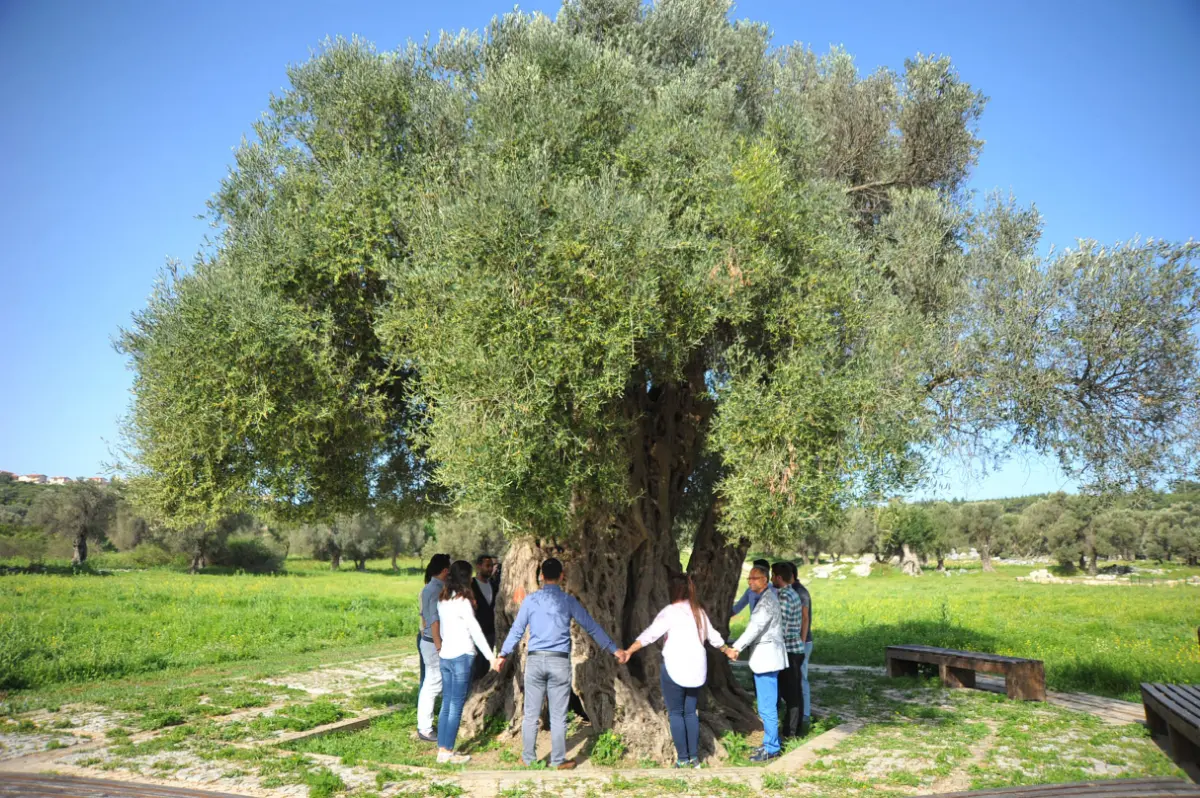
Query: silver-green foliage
x,y
487,264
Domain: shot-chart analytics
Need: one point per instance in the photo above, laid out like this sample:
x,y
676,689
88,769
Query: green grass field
x,y
1095,639
72,629
65,630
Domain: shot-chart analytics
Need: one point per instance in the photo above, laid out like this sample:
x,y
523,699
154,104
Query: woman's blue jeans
x,y
456,683
681,713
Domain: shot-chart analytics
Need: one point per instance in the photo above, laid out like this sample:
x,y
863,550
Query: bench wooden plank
x,y
1171,711
954,660
979,655
1024,679
1185,696
1147,788
1184,715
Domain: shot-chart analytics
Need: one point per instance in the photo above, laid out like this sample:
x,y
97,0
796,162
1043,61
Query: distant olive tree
x,y
79,511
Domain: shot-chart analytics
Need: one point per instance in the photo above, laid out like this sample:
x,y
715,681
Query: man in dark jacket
x,y
486,588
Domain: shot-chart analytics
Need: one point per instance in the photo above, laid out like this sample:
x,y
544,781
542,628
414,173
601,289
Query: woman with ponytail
x,y
685,664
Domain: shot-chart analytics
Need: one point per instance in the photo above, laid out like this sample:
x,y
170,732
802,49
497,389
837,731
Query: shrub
x,y
248,553
324,783
609,748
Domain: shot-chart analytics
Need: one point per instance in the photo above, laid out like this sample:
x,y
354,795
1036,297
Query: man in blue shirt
x,y
750,597
547,614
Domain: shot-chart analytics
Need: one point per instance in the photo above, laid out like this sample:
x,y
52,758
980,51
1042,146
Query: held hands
x,y
732,653
622,655
498,664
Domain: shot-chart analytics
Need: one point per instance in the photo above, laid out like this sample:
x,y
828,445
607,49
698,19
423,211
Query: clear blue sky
x,y
121,119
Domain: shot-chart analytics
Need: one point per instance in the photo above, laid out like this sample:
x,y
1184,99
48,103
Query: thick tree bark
x,y
335,559
617,561
909,562
360,565
985,558
394,567
941,562
198,561
80,550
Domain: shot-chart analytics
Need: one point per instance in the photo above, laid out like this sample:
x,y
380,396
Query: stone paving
x,y
79,749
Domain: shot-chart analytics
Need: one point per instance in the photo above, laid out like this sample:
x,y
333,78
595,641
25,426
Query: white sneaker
x,y
451,758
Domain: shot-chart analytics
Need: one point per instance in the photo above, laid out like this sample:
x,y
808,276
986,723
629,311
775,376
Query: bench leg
x,y
901,667
1183,749
1154,721
956,677
1026,682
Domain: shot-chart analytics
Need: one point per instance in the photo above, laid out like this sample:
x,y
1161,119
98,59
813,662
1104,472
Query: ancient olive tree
x,y
625,271
78,511
946,536
982,525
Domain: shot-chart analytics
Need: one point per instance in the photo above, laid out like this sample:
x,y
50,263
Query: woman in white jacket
x,y
461,635
685,663
765,631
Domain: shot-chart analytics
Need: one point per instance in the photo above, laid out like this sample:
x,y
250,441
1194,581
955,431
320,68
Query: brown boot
x,y
568,764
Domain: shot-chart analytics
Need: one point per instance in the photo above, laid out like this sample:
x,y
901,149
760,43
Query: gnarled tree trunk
x,y
198,561
909,563
985,558
80,550
617,561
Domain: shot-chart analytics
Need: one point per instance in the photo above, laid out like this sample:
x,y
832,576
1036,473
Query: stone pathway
x,y
24,785
25,774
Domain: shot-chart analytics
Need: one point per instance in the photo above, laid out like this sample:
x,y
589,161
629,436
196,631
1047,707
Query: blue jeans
x,y
766,687
804,680
456,682
681,712
546,679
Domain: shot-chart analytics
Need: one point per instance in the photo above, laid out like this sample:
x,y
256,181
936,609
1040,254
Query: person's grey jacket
x,y
765,631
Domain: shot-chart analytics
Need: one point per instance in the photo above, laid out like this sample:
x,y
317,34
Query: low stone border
x,y
814,748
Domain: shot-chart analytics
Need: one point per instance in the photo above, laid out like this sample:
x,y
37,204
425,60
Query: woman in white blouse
x,y
461,635
685,663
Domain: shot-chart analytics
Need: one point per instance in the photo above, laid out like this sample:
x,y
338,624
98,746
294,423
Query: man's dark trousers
x,y
792,693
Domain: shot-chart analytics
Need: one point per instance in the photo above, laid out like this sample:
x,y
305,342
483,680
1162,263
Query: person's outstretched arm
x,y
515,633
477,635
590,626
714,637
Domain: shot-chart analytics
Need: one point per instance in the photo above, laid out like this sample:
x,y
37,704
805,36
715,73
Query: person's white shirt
x,y
683,651
460,631
485,587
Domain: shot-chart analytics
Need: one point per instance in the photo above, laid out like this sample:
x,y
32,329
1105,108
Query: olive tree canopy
x,y
598,273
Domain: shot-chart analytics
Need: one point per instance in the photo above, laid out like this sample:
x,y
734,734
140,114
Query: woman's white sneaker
x,y
451,758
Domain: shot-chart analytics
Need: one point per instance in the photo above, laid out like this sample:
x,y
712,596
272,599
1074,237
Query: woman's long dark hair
x,y
458,583
437,564
680,587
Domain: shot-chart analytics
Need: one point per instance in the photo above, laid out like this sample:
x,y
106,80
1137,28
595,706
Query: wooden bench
x,y
1174,710
1114,788
1024,679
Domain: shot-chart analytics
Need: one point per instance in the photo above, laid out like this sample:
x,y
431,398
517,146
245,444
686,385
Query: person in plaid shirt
x,y
792,610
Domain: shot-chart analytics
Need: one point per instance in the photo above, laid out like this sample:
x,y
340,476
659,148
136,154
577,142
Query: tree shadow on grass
x,y
1115,678
52,570
867,645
